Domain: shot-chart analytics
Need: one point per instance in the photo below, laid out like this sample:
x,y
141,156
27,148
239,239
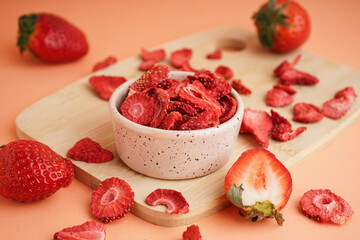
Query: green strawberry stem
x,y
2,146
26,28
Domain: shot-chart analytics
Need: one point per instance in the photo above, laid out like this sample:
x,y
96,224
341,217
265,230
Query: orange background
x,y
121,28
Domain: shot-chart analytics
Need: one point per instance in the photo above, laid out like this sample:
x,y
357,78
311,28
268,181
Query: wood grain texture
x,y
76,111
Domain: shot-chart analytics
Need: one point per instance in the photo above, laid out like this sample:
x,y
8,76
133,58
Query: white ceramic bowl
x,y
170,154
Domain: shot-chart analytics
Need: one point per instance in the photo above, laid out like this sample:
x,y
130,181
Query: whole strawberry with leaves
x,y
31,171
51,38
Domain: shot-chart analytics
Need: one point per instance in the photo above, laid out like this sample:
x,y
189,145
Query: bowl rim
x,y
114,104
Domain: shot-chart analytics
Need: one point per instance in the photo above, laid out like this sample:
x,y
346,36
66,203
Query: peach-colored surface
x,y
121,28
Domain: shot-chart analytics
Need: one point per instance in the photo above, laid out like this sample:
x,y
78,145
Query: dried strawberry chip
x,y
171,87
179,57
202,120
278,119
307,113
105,63
70,172
336,108
182,107
229,105
147,65
283,132
89,230
162,99
222,88
151,78
173,199
217,54
206,77
87,150
186,67
192,233
172,121
278,98
139,108
347,93
259,123
224,71
240,87
105,85
112,200
155,55
324,206
292,76
286,88
285,65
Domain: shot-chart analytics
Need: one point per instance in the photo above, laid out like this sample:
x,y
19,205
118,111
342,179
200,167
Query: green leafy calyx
x,y
26,28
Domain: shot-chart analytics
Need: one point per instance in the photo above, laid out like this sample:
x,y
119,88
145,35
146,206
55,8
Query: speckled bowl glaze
x,y
170,154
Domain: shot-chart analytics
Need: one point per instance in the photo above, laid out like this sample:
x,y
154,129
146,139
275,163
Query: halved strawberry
x,y
179,57
240,87
172,121
151,78
324,206
217,54
192,233
139,108
224,71
162,99
307,113
259,184
89,230
112,200
336,108
174,200
105,85
278,98
229,105
347,93
105,63
156,55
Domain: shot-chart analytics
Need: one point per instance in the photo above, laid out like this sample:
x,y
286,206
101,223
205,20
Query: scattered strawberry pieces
x,y
282,129
31,171
285,65
157,55
224,71
259,123
87,150
324,206
105,63
192,233
336,108
89,230
307,113
180,57
151,78
277,97
139,108
105,85
174,200
217,54
347,93
259,184
112,200
240,87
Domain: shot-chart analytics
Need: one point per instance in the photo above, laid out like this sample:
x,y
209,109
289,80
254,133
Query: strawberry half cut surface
x,y
89,230
112,200
105,85
87,150
259,184
192,233
139,108
174,200
324,206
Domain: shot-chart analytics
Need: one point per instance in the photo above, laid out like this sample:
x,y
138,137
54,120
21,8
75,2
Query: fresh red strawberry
x,y
278,98
224,71
259,123
240,87
229,105
31,171
202,120
307,113
293,76
51,38
87,150
71,172
217,54
89,230
110,60
162,99
182,107
172,121
285,65
347,93
186,67
112,200
336,108
151,78
282,129
286,88
174,200
259,184
324,206
156,55
139,108
179,57
192,233
105,85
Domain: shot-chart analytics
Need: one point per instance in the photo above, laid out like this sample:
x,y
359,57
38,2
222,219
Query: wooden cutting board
x,y
76,111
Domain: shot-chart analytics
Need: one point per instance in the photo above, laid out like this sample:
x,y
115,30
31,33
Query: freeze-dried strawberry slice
x,y
172,121
206,77
285,65
151,78
89,151
192,233
171,87
202,120
70,173
186,67
182,107
278,119
286,88
217,54
283,132
336,108
162,100
240,87
307,113
105,63
173,199
139,108
229,105
292,76
224,71
278,98
156,55
259,123
347,93
324,206
147,65
222,88
179,57
112,200
89,230
105,85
